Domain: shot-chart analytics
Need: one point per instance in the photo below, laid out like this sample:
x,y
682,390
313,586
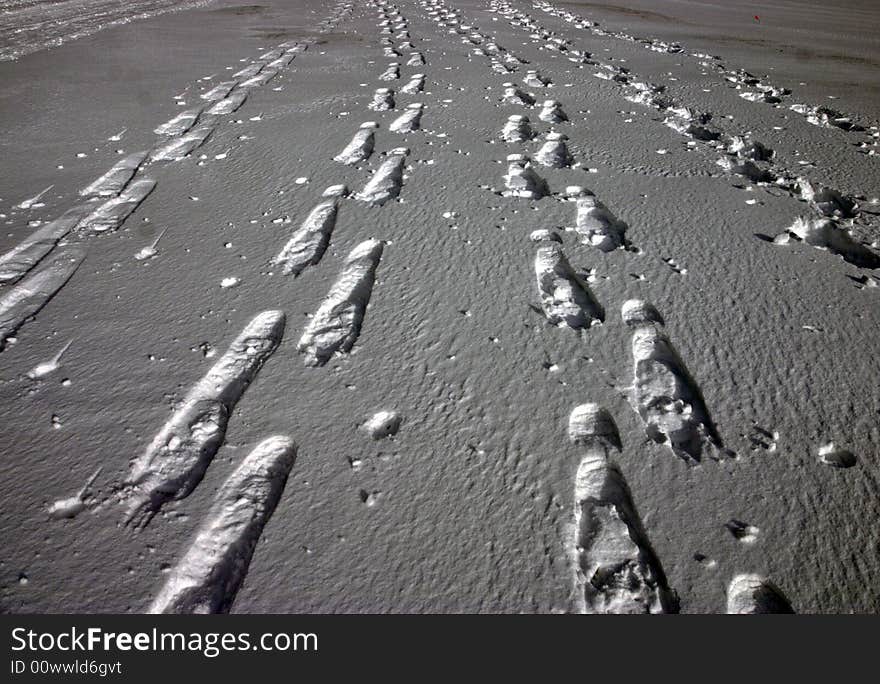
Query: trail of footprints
x,y
741,155
336,325
616,570
207,577
750,87
116,194
209,574
566,298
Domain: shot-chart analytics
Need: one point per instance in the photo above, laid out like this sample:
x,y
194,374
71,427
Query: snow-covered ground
x,y
443,305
